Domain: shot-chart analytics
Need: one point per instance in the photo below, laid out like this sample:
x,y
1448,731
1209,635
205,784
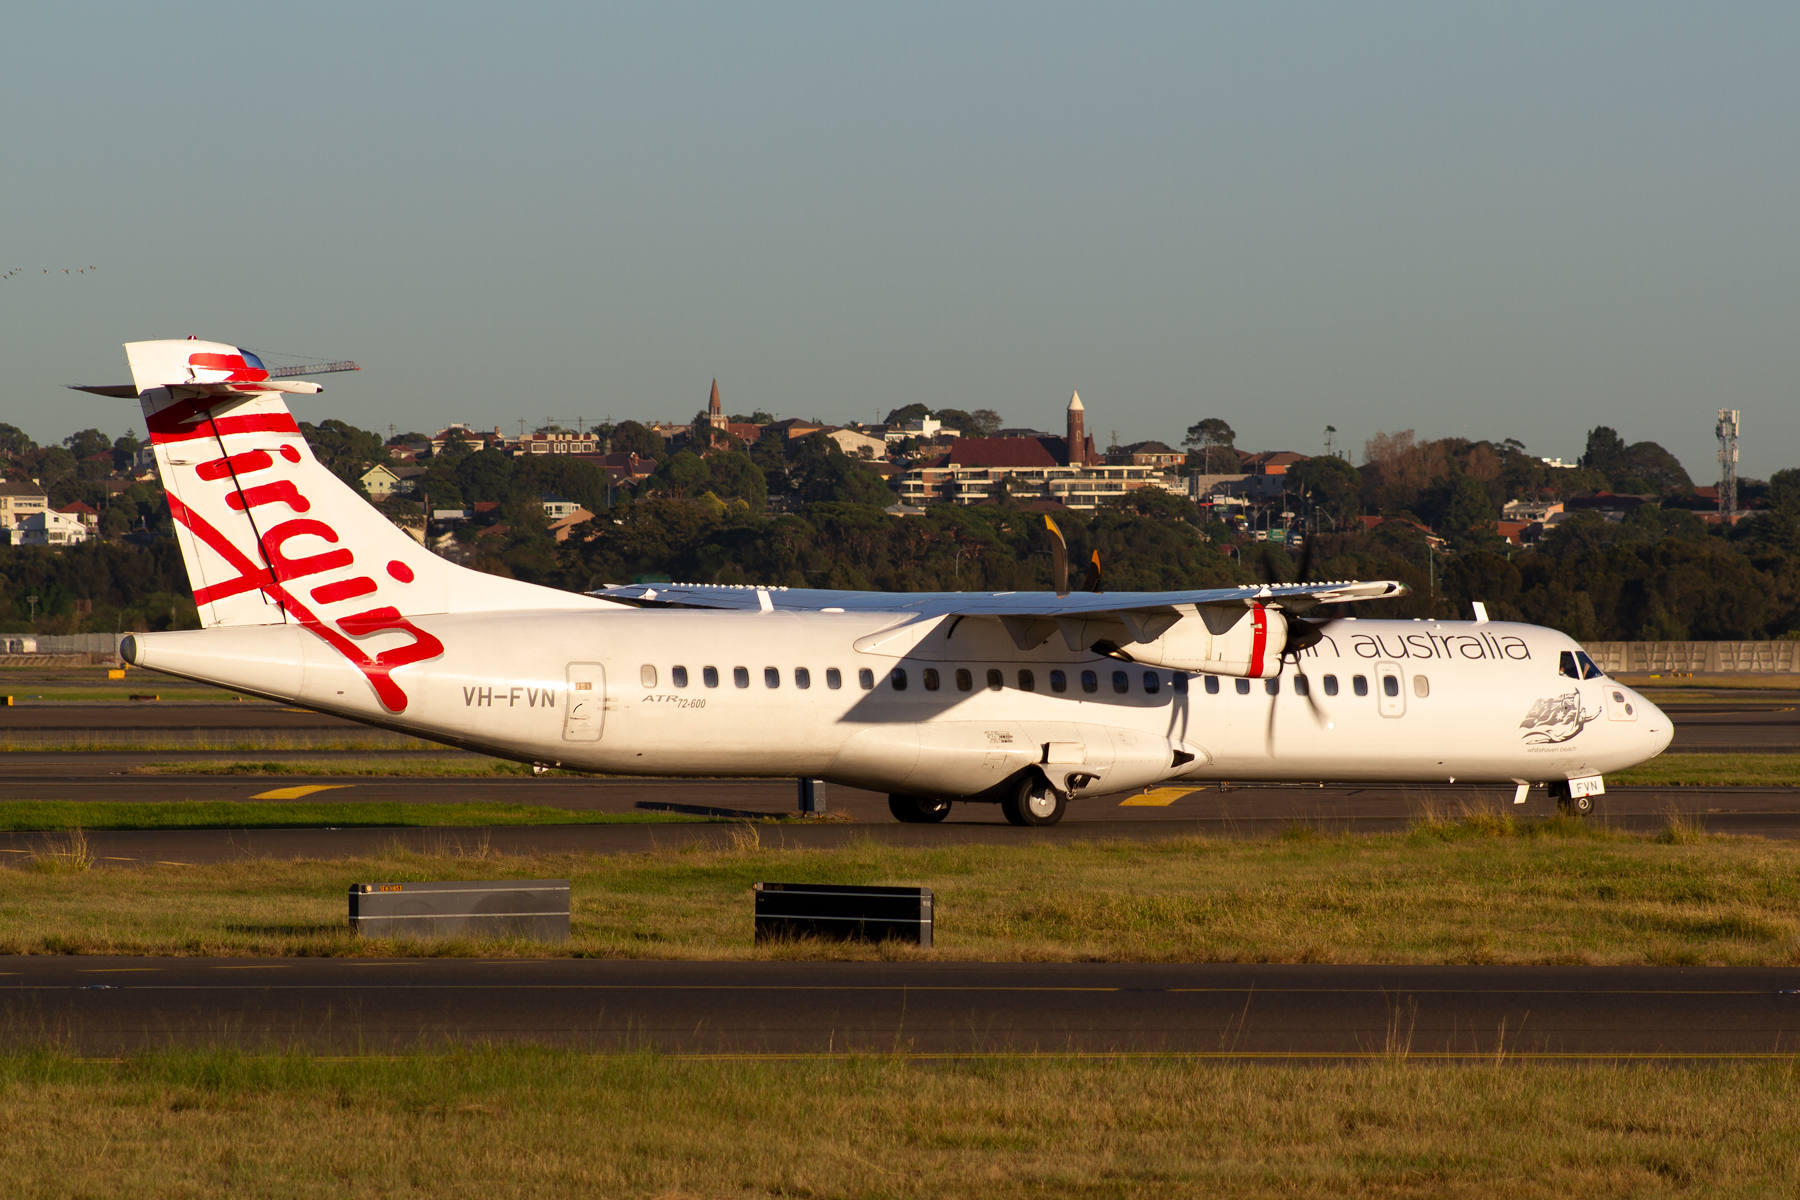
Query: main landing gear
x,y
918,810
1034,802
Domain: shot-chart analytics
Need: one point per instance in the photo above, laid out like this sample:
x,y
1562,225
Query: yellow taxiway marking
x,y
1160,798
115,970
294,793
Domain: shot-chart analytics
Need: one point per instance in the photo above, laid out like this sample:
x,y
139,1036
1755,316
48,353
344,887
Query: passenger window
x,y
1272,686
802,677
834,678
1243,687
865,679
897,677
1421,686
929,677
1589,668
1152,683
740,676
1302,686
1360,685
1331,685
678,676
1027,681
996,680
1090,682
964,680
1212,685
1178,684
709,676
772,677
1565,665
1059,682
1121,682
647,675
1390,685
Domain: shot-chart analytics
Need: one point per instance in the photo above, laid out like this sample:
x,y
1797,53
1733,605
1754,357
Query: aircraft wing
x,y
1294,597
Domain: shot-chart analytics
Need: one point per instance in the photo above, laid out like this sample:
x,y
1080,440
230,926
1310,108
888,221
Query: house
x,y
560,529
1146,454
48,529
1529,510
474,439
556,508
1066,470
406,479
1269,462
87,514
791,428
557,443
380,481
623,466
925,429
858,445
20,500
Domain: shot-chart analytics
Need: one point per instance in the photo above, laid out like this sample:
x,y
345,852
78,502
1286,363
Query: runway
x,y
98,1006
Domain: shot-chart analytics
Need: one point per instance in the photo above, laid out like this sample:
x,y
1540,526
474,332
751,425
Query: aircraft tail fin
x,y
269,535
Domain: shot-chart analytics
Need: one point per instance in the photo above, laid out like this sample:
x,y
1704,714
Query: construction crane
x,y
312,369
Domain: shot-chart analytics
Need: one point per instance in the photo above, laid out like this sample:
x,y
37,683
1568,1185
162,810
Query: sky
x,y
1485,221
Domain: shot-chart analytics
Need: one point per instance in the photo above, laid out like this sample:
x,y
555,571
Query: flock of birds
x,y
48,271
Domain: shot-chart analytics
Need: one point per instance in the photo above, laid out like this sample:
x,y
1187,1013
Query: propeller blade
x,y
1269,733
1092,582
1059,558
1305,575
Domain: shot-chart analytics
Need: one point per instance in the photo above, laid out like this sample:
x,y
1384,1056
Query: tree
x,y
125,449
957,419
911,412
87,443
734,475
1210,436
1605,449
13,440
1784,491
347,451
633,437
983,423
1332,486
681,474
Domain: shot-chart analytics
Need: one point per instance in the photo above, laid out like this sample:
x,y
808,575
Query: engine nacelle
x,y
1219,640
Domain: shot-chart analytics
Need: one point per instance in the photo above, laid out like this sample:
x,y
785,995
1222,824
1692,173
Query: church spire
x,y
1077,443
715,413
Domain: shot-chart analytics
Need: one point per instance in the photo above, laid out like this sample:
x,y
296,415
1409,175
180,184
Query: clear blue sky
x,y
1486,220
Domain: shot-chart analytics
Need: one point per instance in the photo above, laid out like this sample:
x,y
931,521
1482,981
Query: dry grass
x,y
534,1123
1478,889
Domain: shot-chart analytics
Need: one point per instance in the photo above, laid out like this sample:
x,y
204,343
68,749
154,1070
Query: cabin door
x,y
586,712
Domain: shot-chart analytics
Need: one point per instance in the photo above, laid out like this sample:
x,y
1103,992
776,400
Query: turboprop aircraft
x,y
309,596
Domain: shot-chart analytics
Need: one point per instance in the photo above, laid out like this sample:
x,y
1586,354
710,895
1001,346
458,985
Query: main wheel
x,y
1035,802
918,810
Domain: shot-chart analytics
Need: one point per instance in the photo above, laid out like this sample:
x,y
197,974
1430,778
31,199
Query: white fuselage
x,y
699,693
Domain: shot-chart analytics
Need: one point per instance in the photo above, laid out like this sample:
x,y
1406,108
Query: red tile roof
x,y
1014,452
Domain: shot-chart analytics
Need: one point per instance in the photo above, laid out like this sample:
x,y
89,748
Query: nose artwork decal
x,y
1556,719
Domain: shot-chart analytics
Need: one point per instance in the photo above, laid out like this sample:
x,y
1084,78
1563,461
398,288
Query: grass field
x,y
225,814
537,1123
1712,770
1483,889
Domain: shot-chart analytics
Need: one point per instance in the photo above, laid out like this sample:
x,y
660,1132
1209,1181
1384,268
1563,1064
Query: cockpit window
x,y
1565,665
1589,668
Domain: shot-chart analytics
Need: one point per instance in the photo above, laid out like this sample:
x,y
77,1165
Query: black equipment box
x,y
520,908
843,912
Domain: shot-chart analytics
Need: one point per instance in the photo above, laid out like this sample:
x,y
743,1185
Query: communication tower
x,y
1727,433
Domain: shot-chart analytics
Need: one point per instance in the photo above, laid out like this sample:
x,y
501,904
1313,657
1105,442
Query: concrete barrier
x,y
1695,658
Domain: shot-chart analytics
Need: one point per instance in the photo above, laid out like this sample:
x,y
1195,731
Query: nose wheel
x,y
1035,802
1575,806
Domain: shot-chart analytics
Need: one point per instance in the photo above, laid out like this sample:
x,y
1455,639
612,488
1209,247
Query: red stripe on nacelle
x,y
1259,639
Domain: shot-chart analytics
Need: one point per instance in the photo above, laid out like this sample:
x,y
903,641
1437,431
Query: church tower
x,y
1077,431
715,414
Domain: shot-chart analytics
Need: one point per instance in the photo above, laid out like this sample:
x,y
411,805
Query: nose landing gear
x,y
1575,806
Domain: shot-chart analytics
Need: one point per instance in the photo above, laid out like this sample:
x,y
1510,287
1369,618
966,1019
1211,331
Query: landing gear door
x,y
586,712
1390,692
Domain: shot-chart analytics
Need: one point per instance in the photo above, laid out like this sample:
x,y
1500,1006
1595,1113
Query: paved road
x,y
1757,725
105,1006
1257,811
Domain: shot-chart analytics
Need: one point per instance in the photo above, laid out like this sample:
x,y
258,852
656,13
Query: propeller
x,y
1302,635
1091,583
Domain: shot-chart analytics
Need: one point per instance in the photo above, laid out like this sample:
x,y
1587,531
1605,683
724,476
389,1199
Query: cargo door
x,y
1389,692
586,713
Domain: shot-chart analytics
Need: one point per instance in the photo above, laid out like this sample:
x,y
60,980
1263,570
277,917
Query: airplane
x,y
1030,700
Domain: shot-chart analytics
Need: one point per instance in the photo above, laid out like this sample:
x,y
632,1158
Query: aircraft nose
x,y
1656,724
